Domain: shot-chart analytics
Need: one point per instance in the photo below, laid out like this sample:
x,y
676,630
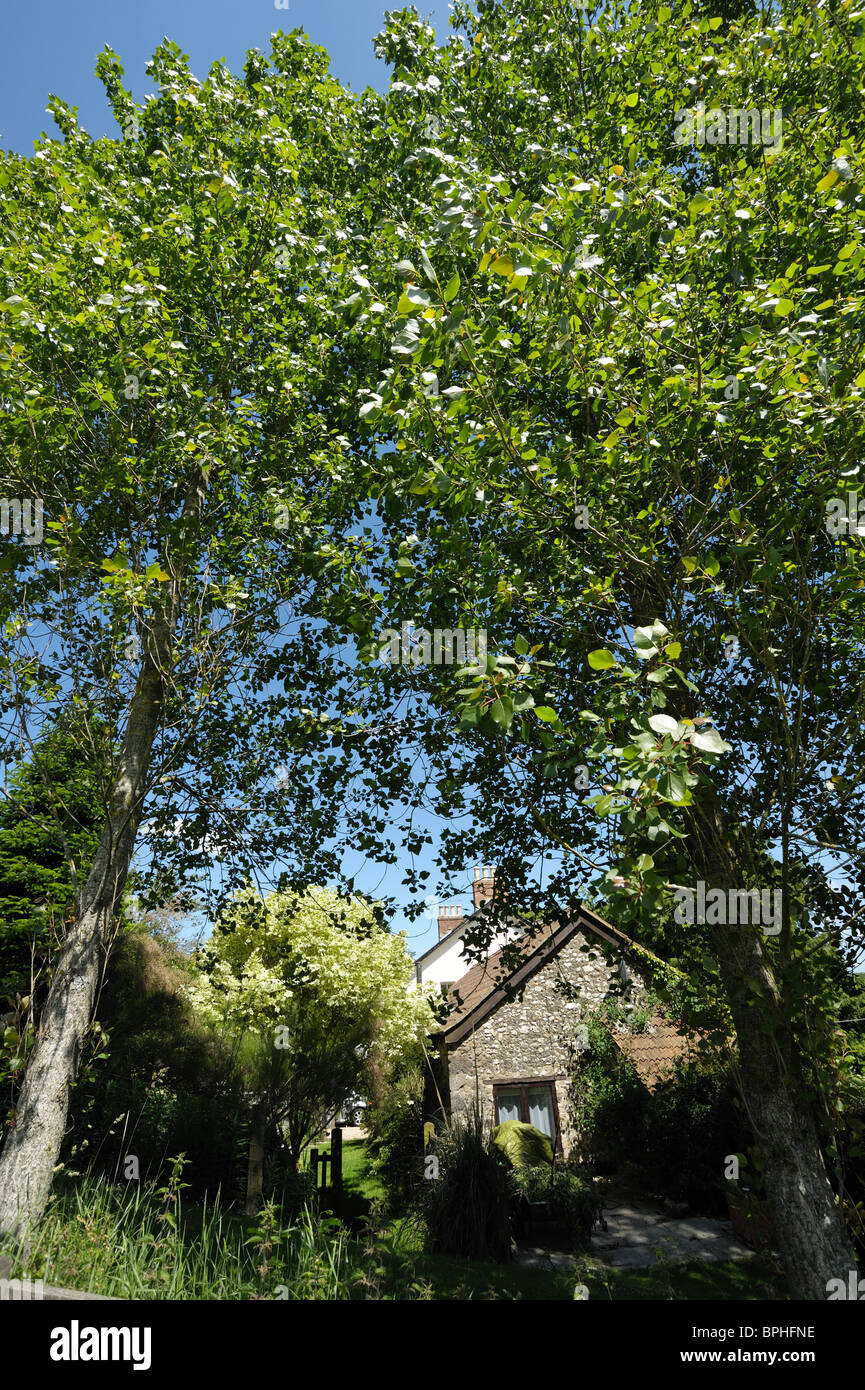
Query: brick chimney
x,y
449,918
482,888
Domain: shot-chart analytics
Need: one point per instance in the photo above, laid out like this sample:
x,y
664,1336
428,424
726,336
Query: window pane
x,y
509,1106
541,1110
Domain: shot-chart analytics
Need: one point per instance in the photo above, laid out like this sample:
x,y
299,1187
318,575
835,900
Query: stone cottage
x,y
509,1041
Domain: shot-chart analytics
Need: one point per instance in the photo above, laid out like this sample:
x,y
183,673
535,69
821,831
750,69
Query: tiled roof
x,y
653,1053
481,989
487,976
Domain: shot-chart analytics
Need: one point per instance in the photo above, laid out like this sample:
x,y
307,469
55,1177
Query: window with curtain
x,y
531,1102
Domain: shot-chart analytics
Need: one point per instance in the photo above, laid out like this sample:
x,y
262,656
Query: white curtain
x,y
541,1110
509,1106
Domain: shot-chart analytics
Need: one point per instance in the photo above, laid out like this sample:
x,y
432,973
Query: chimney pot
x,y
484,885
449,918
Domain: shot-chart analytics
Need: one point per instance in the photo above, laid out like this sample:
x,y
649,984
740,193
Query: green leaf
x,y
663,724
674,788
602,659
544,712
502,711
452,287
710,741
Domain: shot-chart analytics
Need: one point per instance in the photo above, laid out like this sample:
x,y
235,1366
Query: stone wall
x,y
532,1037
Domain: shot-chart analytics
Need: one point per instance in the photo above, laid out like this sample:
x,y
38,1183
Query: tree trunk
x,y
32,1146
809,1227
255,1170
810,1231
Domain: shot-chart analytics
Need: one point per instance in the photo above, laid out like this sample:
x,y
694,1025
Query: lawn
x,y
357,1177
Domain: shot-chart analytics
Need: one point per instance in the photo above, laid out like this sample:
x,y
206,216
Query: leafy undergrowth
x,y
138,1241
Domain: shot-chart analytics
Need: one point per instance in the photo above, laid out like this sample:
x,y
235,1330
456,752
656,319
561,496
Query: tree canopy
x,y
496,350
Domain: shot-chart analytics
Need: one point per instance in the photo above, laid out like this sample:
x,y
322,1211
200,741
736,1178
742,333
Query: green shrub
x,y
521,1144
467,1206
164,1085
395,1144
669,1142
692,1122
608,1100
572,1201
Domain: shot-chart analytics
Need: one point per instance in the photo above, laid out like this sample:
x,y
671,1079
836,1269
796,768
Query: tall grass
x,y
138,1241
467,1208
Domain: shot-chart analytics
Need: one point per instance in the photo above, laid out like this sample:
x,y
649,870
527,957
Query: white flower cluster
x,y
268,955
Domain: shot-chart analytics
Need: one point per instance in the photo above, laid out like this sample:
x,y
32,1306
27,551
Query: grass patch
x,y
136,1241
357,1176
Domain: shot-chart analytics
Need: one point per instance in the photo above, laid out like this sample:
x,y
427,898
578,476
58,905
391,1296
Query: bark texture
x,y
810,1232
32,1147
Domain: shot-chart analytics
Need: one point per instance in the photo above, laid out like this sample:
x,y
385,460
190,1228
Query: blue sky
x,y
47,49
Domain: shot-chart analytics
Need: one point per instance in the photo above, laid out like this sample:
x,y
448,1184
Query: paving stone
x,y
639,1234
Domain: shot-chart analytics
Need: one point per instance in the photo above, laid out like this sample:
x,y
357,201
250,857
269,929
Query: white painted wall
x,y
449,963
